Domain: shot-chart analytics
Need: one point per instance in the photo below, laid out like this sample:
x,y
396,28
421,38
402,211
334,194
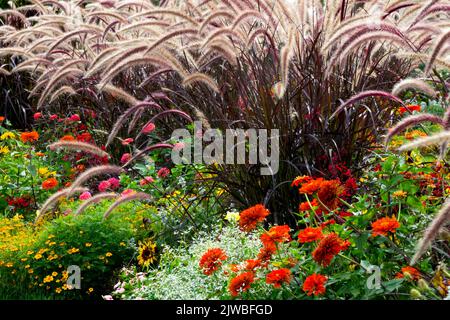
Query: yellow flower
x,y
43,172
147,253
7,135
122,244
232,216
27,266
108,254
48,279
73,250
38,256
88,244
54,273
30,271
90,290
399,194
58,290
4,150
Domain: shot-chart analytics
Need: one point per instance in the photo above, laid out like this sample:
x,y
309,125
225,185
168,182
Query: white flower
x,y
232,216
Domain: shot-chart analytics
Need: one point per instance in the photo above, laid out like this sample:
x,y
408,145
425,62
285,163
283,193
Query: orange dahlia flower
x,y
50,183
315,284
29,136
328,247
241,283
249,218
278,277
310,235
385,225
212,260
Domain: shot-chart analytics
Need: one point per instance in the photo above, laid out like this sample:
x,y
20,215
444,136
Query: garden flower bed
x,y
224,150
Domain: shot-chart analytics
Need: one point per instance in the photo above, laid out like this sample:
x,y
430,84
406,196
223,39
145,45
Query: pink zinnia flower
x,y
146,181
37,115
163,172
75,117
149,128
127,141
114,183
85,195
125,158
53,117
104,185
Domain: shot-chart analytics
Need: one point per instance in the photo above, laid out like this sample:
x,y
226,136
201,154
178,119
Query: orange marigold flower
x,y
384,225
305,206
29,136
67,138
252,264
278,277
2,119
315,284
300,180
50,183
328,247
276,234
249,218
212,260
39,154
413,272
310,235
311,186
241,283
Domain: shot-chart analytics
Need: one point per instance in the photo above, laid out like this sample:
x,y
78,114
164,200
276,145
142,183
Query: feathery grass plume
x,y
364,95
438,138
214,15
127,198
15,51
68,36
201,77
54,81
411,121
79,146
225,51
138,4
118,93
5,72
128,63
53,199
286,55
416,84
101,56
95,199
443,40
148,149
124,116
221,32
170,35
423,57
106,13
5,12
432,231
93,172
154,75
136,117
63,90
245,15
140,24
165,12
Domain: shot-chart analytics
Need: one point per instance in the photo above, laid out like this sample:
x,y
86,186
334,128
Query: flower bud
x,y
415,294
423,285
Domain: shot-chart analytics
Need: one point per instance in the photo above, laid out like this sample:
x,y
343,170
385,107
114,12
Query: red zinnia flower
x,y
75,117
310,235
212,260
37,115
250,217
311,186
163,172
50,183
300,180
328,247
314,284
67,138
278,277
409,108
241,283
251,264
266,252
413,272
384,225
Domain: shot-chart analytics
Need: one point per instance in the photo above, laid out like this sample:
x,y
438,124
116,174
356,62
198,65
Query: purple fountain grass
x,y
411,121
95,199
126,198
79,146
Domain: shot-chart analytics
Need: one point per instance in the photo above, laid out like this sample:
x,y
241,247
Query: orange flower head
x,y
50,183
315,284
67,138
328,247
212,260
249,218
300,180
241,283
252,264
311,187
29,136
266,252
409,108
278,277
310,235
413,273
384,225
329,193
277,234
2,119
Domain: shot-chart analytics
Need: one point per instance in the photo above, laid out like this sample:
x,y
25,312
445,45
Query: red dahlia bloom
x,y
310,235
249,218
328,247
276,234
241,283
278,277
50,183
212,260
252,264
314,284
